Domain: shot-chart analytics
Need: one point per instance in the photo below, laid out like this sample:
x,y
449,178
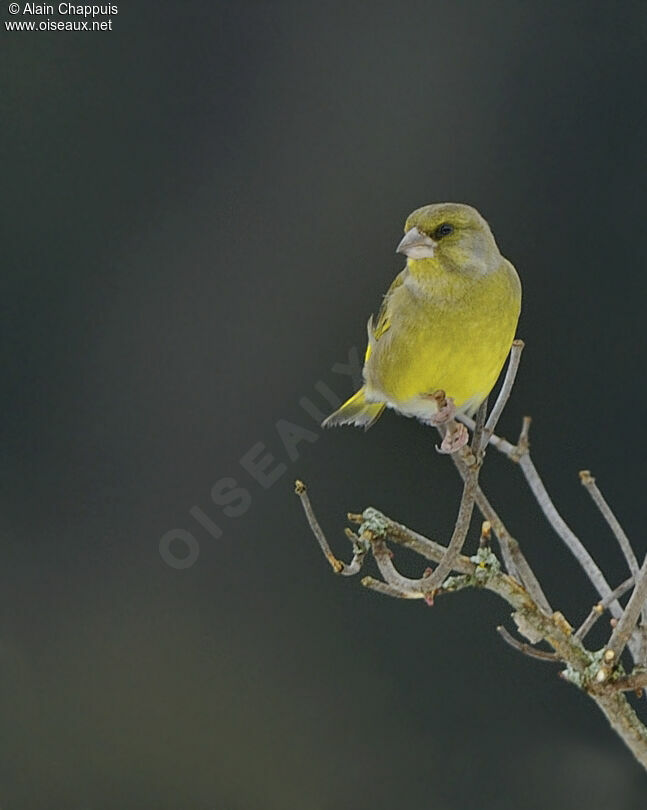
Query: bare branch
x,y
526,649
598,610
526,574
512,553
597,673
568,649
641,657
504,542
627,622
523,442
360,549
573,543
403,536
469,460
498,442
382,587
514,560
504,393
636,681
551,628
521,454
459,534
623,720
588,482
409,588
337,566
478,438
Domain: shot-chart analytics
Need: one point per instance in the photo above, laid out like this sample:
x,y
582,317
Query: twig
x,y
588,482
513,557
623,720
470,461
598,610
520,453
568,648
337,566
459,534
504,393
360,549
523,442
635,681
498,442
641,658
553,629
526,649
597,673
573,543
526,574
383,588
512,553
502,534
403,536
504,544
627,622
478,438
409,588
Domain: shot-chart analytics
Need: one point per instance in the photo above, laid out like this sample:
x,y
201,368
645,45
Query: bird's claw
x,y
454,439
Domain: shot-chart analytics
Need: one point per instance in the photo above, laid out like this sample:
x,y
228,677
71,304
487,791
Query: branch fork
x,y
600,673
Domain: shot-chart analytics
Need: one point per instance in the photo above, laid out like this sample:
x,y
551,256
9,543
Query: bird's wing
x,y
382,323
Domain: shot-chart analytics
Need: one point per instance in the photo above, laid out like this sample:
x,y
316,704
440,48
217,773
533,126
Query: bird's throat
x,y
435,279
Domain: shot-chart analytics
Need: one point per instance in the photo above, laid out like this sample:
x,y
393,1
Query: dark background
x,y
201,212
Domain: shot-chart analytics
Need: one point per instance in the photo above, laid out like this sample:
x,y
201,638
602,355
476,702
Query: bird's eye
x,y
443,230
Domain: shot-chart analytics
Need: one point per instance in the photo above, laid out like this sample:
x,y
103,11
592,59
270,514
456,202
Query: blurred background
x,y
202,207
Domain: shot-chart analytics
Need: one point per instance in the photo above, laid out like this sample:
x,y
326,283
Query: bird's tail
x,y
355,411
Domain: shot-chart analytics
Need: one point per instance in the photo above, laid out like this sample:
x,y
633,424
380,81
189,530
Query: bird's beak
x,y
416,245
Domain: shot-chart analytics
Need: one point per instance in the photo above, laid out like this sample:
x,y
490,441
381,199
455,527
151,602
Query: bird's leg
x,y
456,434
446,408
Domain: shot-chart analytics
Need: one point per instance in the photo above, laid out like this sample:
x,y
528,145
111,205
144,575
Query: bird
x,y
445,326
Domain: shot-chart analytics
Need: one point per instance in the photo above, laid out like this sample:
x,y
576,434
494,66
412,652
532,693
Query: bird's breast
x,y
457,344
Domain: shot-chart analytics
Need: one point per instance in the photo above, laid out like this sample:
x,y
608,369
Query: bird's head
x,y
449,237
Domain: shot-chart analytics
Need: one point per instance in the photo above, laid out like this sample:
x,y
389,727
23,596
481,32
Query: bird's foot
x,y
455,437
446,408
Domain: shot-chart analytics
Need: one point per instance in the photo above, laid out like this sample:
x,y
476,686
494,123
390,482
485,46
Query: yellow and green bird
x,y
446,323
